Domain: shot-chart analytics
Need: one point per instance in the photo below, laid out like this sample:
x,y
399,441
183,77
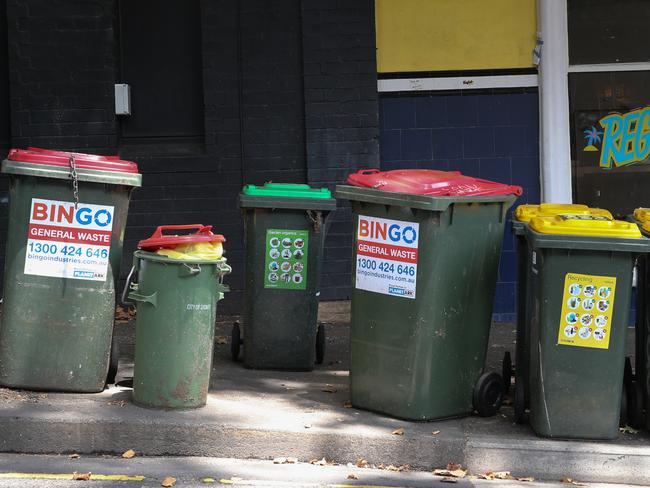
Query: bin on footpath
x,y
176,282
581,270
521,218
67,215
285,226
637,385
426,258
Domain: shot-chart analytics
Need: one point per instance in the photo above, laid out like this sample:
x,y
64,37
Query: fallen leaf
x,y
499,475
628,430
74,456
449,480
391,467
353,476
435,432
221,340
347,405
322,462
329,389
361,463
128,454
571,481
453,466
454,473
307,426
119,403
399,431
168,481
81,476
208,480
525,478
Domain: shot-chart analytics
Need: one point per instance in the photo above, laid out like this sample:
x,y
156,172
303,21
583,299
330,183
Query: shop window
x,y
160,46
611,156
607,31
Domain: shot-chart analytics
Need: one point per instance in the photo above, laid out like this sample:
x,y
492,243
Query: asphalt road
x,y
27,471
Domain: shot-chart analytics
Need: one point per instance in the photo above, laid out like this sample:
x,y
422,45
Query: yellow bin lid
x,y
642,214
585,225
524,213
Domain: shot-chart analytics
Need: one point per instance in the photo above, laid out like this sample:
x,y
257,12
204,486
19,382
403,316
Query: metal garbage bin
x,y
285,226
176,296
427,247
67,215
581,270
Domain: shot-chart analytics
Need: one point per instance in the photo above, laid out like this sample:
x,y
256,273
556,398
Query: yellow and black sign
x,y
587,306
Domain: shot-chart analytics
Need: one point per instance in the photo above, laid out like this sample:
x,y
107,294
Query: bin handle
x,y
371,171
152,299
127,287
200,229
223,269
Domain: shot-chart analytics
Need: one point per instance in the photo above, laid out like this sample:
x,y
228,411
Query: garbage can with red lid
x,y
426,256
176,282
67,214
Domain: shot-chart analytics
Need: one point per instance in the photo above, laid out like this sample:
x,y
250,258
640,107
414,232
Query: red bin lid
x,y
37,155
158,240
430,182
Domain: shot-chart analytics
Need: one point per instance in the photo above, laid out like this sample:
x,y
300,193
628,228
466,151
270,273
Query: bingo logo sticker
x,y
65,241
387,256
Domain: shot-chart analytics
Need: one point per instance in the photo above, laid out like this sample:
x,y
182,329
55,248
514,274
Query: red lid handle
x,y
200,229
371,171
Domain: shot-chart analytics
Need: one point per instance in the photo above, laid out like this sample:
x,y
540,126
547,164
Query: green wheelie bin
x,y
521,218
637,385
67,215
581,269
426,256
285,226
176,291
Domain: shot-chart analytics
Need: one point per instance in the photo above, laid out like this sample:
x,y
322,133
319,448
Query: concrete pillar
x,y
555,136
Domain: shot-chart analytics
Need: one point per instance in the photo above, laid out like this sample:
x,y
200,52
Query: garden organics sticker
x,y
587,309
285,263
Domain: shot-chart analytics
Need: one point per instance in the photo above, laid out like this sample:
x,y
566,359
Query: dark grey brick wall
x,y
289,92
341,115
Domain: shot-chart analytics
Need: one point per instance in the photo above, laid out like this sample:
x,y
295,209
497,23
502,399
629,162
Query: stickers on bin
x,y
587,308
68,242
387,256
285,263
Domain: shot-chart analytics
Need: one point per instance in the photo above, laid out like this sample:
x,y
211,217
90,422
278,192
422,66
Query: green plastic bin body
x,y
575,392
418,354
642,326
280,319
174,335
56,332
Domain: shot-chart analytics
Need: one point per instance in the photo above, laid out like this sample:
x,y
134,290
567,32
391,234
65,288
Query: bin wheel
x,y
235,341
113,361
628,376
488,394
634,397
506,372
520,402
320,343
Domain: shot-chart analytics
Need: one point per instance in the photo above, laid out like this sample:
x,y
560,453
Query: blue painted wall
x,y
491,136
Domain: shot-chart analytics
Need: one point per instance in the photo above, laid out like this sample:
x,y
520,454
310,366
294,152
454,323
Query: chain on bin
x,y
75,181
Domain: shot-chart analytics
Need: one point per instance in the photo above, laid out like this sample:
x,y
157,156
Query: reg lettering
x,y
380,230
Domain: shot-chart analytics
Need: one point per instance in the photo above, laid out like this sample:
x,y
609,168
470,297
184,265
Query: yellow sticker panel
x,y
587,308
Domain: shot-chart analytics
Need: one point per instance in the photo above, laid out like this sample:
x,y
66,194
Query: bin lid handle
x,y
200,229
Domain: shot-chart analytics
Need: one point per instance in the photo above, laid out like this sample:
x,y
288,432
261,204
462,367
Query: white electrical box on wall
x,y
122,99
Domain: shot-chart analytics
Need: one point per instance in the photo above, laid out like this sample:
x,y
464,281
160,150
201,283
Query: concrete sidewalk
x,y
267,414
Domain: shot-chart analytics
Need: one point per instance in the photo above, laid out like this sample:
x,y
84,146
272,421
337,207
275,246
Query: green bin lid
x,y
286,190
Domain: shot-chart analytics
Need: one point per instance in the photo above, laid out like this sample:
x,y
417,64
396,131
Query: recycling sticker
x,y
587,309
285,263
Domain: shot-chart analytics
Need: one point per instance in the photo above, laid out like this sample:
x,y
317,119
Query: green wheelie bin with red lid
x,y
426,256
67,214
